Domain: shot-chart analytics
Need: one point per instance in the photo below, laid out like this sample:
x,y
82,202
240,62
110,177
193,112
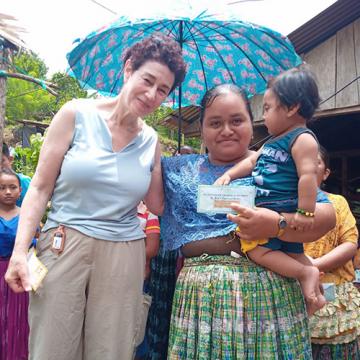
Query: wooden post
x,y
344,175
3,66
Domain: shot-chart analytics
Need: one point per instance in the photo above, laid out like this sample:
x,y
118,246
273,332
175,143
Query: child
x,y
151,227
7,162
284,171
14,329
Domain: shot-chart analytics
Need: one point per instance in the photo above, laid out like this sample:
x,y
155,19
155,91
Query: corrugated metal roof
x,y
10,32
324,25
189,115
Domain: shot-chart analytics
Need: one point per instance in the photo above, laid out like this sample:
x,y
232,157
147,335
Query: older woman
x,y
90,305
226,307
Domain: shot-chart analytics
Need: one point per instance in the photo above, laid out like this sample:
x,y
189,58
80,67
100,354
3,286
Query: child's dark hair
x,y
5,150
161,48
218,90
324,156
297,87
10,172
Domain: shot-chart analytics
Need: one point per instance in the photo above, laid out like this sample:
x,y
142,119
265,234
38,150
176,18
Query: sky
x,y
52,25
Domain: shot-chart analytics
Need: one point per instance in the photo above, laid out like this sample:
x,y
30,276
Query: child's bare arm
x,y
241,169
305,154
152,244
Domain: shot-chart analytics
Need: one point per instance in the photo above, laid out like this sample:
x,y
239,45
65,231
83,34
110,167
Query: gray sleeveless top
x,y
98,190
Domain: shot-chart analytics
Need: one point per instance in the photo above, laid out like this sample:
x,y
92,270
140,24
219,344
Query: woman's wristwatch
x,y
282,224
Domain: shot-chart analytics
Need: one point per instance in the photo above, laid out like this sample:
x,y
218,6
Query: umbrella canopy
x,y
217,47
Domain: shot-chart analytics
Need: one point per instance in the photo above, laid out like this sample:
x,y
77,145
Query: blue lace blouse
x,y
181,223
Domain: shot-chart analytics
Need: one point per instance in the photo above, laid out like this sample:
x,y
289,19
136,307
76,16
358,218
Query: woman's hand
x,y
262,223
17,274
257,223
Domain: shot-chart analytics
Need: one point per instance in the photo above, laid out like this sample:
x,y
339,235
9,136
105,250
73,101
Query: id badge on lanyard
x,y
59,238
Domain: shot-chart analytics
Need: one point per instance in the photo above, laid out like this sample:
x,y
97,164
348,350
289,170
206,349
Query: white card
x,y
357,276
216,199
329,291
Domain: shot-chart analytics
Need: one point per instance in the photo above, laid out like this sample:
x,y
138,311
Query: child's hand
x,y
223,180
302,223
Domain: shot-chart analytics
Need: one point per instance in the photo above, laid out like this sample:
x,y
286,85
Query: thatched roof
x,y
10,33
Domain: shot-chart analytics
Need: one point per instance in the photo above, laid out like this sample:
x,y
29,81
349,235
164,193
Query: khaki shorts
x,y
90,305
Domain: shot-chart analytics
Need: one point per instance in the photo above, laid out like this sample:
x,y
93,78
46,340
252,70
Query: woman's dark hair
x,y
161,48
218,90
297,87
10,172
324,156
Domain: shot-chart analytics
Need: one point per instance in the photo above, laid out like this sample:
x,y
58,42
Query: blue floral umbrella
x,y
218,48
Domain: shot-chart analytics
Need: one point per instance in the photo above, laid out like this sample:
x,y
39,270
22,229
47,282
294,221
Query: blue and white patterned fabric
x,y
181,223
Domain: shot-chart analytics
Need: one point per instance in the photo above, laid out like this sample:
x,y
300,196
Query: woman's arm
x,y
154,198
56,144
152,244
262,223
336,257
346,238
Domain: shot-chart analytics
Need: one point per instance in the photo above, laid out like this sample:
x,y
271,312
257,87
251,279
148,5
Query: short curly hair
x,y
161,48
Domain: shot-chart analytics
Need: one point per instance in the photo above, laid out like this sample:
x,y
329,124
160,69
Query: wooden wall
x,y
335,62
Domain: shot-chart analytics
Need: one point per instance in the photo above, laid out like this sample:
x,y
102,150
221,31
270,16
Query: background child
x,y
151,227
284,171
14,328
7,162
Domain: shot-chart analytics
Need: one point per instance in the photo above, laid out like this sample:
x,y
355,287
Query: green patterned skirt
x,y
227,308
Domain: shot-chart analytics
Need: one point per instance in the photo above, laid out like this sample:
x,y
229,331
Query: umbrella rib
x,y
163,26
198,51
78,57
258,45
238,47
118,76
221,58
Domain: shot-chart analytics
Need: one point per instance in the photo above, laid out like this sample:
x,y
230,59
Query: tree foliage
x,y
168,137
69,88
26,159
26,100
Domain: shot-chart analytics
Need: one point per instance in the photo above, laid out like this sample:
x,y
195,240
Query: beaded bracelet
x,y
305,213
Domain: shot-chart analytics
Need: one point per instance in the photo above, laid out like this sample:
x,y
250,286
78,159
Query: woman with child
x,y
284,173
228,307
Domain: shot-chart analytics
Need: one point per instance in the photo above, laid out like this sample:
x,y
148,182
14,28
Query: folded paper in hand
x,y
37,270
